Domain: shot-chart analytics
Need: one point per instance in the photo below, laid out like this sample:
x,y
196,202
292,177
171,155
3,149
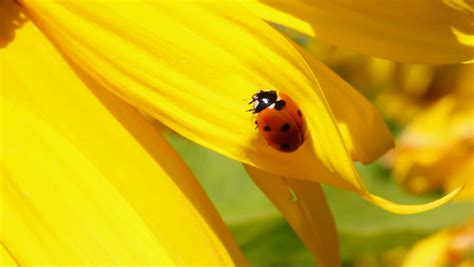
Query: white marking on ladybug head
x,y
255,104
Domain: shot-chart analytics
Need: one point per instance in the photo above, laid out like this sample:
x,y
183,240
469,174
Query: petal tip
x,y
411,209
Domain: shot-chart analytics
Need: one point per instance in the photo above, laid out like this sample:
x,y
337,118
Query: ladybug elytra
x,y
279,120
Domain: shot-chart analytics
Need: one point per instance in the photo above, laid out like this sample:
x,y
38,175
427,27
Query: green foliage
x,y
267,240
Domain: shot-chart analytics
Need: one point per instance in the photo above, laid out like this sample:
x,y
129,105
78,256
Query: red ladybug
x,y
279,120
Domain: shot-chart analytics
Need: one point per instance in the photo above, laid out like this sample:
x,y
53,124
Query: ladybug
x,y
279,120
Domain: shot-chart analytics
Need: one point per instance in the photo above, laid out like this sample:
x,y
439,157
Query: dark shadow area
x,y
12,17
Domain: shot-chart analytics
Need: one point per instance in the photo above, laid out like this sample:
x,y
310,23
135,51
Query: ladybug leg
x,y
251,110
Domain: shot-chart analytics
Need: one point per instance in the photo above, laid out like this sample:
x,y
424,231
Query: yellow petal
x,y
286,14
463,175
197,90
304,206
86,179
191,65
6,259
359,122
423,32
410,209
434,151
429,252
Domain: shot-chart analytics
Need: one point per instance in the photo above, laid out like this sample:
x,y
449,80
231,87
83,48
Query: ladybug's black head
x,y
263,99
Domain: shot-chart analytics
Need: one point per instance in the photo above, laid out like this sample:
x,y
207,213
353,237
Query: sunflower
x,y
88,179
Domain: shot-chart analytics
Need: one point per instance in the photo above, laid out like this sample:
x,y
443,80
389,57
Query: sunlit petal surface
x,y
86,179
362,128
422,31
6,259
304,206
193,73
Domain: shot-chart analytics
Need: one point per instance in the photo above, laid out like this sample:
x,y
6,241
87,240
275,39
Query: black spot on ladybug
x,y
285,146
280,104
299,113
267,128
285,127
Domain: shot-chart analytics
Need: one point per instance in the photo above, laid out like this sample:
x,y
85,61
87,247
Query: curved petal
x,y
191,65
359,122
437,32
304,206
86,179
410,209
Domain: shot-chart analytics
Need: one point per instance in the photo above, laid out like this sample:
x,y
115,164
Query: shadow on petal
x,y
304,206
11,18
